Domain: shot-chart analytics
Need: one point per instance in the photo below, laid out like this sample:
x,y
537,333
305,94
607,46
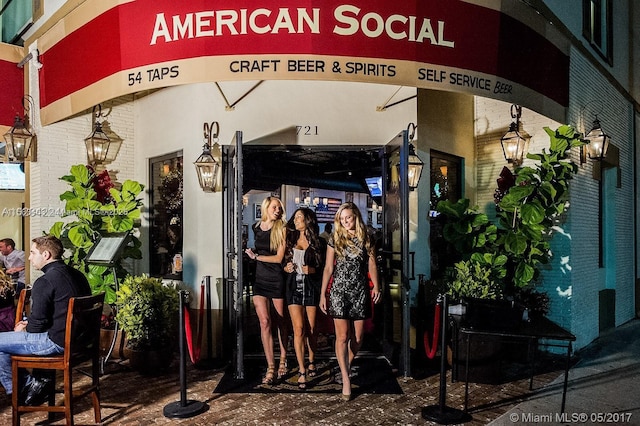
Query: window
x,y
446,179
166,215
597,26
446,184
15,19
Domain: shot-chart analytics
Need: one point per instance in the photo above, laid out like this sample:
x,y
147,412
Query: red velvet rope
x,y
431,351
194,353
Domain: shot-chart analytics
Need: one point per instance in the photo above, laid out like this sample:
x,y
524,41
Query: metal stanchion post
x,y
185,407
440,413
209,363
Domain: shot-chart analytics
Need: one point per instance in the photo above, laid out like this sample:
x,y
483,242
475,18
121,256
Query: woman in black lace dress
x,y
351,261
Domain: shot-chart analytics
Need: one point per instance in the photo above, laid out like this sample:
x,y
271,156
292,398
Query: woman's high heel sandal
x,y
269,377
302,385
311,370
282,368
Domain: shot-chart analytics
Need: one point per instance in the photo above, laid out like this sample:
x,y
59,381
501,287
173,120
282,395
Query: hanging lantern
x,y
20,139
516,141
208,164
598,142
103,143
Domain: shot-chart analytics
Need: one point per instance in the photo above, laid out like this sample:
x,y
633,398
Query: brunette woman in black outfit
x,y
303,265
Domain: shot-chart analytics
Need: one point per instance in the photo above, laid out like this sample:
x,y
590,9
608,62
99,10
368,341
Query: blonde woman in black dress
x,y
349,299
270,234
303,266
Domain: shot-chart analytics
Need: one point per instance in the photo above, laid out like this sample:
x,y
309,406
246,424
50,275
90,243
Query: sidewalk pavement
x,y
603,382
604,386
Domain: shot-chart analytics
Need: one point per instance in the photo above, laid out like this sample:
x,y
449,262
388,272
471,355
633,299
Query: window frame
x,y
594,24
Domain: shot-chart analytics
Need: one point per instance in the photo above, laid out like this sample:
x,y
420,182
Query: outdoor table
x,y
532,331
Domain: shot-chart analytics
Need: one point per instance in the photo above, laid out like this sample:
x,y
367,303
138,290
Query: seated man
x,y
13,261
42,333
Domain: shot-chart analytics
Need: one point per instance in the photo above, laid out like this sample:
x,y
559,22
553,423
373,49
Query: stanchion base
x,y
189,409
211,364
445,415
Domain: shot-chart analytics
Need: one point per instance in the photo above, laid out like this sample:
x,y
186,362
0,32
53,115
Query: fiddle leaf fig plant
x,y
519,244
96,207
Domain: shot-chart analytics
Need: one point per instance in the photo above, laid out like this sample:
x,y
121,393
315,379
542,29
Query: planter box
x,y
149,363
492,314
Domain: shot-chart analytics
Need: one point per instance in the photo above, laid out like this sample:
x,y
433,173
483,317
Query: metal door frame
x,y
233,274
400,144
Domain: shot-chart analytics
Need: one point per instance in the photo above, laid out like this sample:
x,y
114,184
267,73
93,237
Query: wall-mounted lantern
x,y
209,162
103,144
598,142
415,163
21,140
516,141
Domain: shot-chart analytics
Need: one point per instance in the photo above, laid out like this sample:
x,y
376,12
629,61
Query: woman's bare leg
x,y
296,312
283,332
356,334
261,305
342,352
312,334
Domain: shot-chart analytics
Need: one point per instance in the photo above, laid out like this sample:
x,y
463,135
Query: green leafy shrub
x,y
511,252
147,311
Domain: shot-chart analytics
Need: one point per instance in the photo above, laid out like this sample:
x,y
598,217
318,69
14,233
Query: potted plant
x,y
501,260
147,312
493,268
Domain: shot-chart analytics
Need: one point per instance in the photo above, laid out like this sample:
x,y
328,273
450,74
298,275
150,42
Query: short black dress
x,y
304,289
269,276
349,295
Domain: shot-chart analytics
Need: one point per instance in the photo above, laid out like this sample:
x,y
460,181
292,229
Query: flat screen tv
x,y
374,184
12,176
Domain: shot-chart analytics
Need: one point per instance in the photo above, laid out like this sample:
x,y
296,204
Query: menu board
x,y
107,249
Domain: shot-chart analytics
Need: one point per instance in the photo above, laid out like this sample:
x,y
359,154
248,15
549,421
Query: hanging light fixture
x,y
208,164
415,168
598,142
21,140
516,141
103,143
415,163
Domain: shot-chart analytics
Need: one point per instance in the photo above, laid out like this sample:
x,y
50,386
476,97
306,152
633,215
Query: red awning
x,y
11,83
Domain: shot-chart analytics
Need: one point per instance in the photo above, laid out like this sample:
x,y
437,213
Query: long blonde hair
x,y
278,230
342,240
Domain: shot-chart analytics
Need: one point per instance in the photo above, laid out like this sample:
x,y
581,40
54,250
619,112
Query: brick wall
x,y
573,279
591,94
61,145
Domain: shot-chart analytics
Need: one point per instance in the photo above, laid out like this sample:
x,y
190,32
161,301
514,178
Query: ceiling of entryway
x,y
340,168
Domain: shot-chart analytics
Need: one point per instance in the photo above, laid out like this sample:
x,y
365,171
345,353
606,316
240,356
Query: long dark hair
x,y
312,232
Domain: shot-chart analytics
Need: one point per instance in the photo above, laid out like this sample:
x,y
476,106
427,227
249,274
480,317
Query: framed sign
x,y
107,249
257,212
